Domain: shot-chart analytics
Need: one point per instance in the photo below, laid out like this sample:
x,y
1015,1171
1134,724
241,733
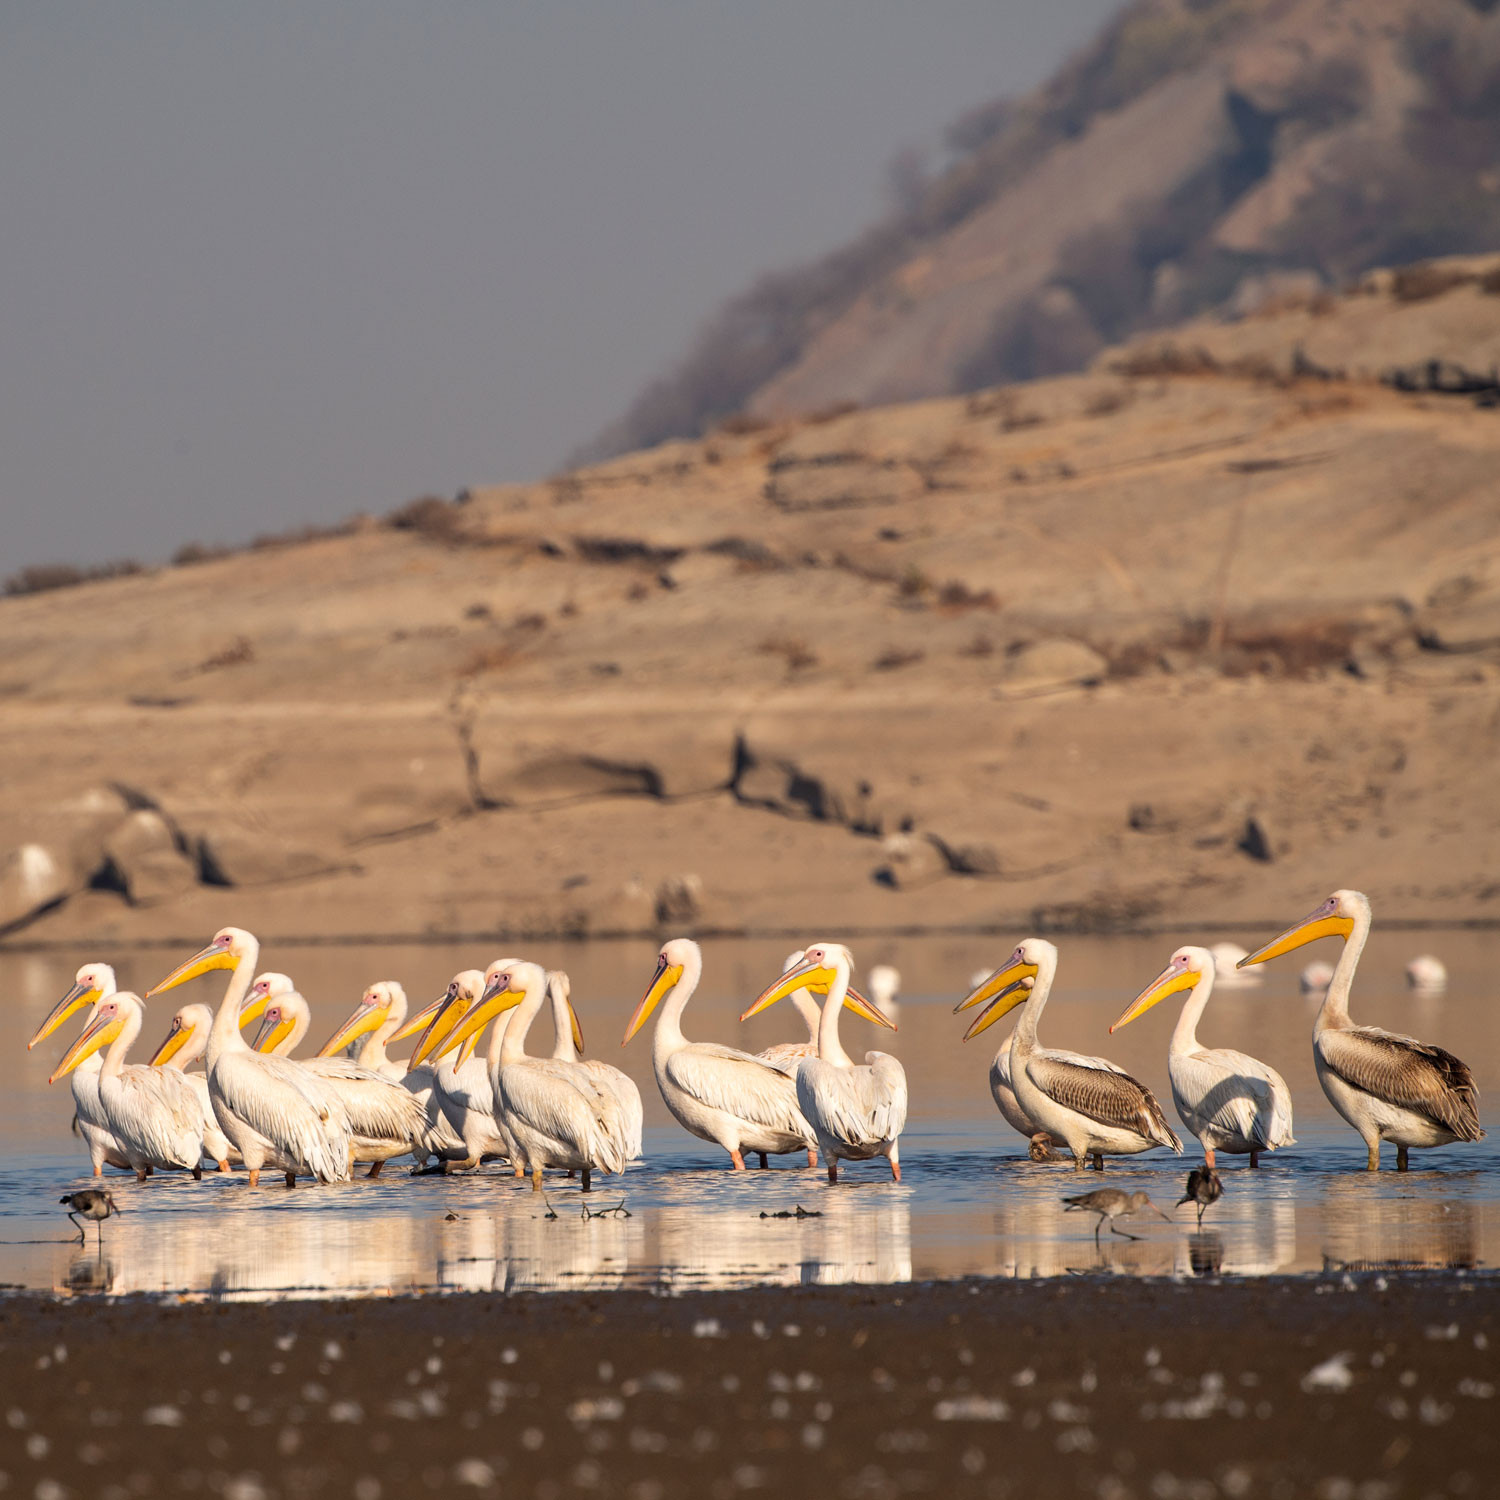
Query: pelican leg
x,y
198,1173
99,1170
895,1161
1372,1157
738,1159
812,1157
570,1174
536,1179
764,1164
142,1173
254,1176
1254,1159
833,1169
587,1179
1098,1161
1401,1158
224,1165
291,1179
375,1167
1208,1156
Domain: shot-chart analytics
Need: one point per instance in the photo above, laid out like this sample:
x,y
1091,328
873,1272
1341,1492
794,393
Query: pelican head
x,y
676,957
109,1020
1010,985
503,986
449,1026
822,965
229,946
190,1023
90,983
1336,917
558,983
1187,968
283,1008
376,1006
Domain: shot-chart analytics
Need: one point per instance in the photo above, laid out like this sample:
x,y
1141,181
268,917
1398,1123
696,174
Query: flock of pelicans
x,y
257,1106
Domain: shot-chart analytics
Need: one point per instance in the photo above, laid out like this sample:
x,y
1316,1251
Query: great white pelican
x,y
569,1045
185,1042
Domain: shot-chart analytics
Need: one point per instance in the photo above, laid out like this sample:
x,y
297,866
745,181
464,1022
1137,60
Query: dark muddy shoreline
x,y
1367,1386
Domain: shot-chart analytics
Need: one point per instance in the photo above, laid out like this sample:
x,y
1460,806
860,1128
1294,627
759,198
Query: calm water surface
x,y
971,1202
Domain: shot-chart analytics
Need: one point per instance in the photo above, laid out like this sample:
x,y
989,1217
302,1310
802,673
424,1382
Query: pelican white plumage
x,y
735,1099
1387,1086
1098,1109
1232,1102
884,985
856,1112
380,1017
386,1120
1427,974
154,1113
553,1111
1227,970
92,983
569,1044
185,1042
787,1055
275,1113
1315,977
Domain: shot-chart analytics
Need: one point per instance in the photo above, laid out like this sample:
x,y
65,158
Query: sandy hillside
x,y
1182,640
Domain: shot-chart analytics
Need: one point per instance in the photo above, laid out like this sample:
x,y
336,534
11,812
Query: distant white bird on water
x,y
1427,975
884,985
1315,977
1227,957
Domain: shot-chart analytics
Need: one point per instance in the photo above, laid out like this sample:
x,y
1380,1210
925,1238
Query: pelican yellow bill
x,y
75,1000
99,1034
366,1018
662,982
1324,922
215,956
1173,978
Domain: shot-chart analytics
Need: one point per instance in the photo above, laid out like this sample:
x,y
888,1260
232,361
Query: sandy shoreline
x,y
1365,1387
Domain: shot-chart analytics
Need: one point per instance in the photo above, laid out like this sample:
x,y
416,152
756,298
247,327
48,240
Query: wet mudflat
x,y
1350,1387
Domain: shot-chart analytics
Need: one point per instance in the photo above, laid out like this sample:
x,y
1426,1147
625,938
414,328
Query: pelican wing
x,y
292,1108
786,1055
1403,1071
160,1113
1100,1091
1237,1093
378,1109
627,1096
440,1138
749,1088
861,1106
556,1099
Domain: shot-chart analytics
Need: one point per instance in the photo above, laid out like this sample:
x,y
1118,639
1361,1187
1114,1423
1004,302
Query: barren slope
x,y
1147,647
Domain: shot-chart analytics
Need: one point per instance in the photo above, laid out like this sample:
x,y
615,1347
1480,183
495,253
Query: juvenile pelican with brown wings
x,y
1387,1086
1096,1107
857,1112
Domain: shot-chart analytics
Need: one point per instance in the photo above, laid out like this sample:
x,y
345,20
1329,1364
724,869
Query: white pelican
x,y
786,1055
856,1112
1426,974
185,1042
570,1043
379,1018
1003,1090
93,982
274,1112
884,985
463,1084
735,1099
387,1121
1229,969
1096,1107
1388,1087
154,1113
1315,977
553,1111
1230,1101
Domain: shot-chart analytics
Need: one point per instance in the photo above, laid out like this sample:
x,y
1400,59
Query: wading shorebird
x,y
1203,1188
856,1112
1387,1086
1111,1204
92,1203
1098,1109
1229,1100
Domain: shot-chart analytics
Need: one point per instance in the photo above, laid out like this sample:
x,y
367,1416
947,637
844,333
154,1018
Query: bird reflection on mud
x,y
1414,1230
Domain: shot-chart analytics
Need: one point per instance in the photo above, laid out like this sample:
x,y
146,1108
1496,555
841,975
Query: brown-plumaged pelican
x,y
856,1112
1387,1086
1232,1102
1096,1107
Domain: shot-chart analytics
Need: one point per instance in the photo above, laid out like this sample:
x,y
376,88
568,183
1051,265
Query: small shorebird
x,y
1111,1204
1203,1188
92,1203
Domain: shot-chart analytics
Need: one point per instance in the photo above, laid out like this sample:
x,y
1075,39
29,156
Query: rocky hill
x,y
1190,638
1200,154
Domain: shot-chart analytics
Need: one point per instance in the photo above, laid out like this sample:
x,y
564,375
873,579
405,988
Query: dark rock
x,y
143,854
1255,841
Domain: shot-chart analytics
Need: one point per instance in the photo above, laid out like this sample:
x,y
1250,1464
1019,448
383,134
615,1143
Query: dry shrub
x,y
197,552
1166,359
830,413
743,424
493,658
797,654
235,654
897,656
1107,402
428,515
40,578
1424,280
956,595
913,583
980,645
746,551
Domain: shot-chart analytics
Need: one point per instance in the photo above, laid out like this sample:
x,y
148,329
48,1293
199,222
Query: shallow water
x,y
970,1202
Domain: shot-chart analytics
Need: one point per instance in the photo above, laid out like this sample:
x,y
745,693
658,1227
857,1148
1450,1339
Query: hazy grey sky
x,y
262,264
